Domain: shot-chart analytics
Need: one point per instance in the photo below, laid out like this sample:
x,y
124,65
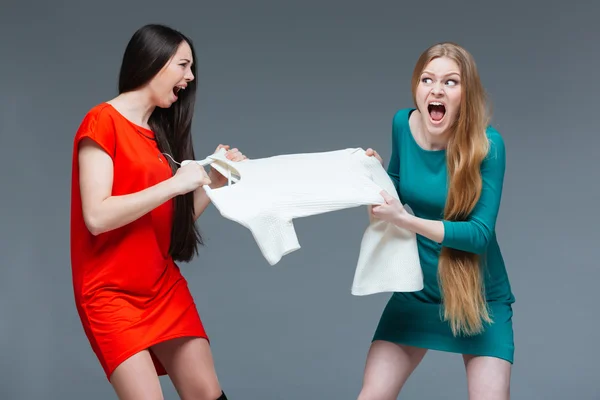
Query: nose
x,y
189,76
437,89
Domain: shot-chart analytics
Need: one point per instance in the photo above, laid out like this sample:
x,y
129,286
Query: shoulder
x,y
99,125
400,121
497,149
98,118
495,161
401,117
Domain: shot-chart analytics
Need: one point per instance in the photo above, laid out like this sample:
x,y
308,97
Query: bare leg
x,y
488,378
136,379
387,368
190,366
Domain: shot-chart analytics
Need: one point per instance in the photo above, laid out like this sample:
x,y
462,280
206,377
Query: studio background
x,y
291,77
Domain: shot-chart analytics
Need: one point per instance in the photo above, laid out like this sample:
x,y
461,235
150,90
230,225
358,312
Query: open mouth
x,y
177,89
436,111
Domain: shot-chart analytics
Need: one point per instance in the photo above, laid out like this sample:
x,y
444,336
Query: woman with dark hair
x,y
133,214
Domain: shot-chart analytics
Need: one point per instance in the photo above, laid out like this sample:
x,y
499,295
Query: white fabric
x,y
268,193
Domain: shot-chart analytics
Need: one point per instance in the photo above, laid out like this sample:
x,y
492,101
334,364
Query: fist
x,y
232,154
190,177
235,155
390,210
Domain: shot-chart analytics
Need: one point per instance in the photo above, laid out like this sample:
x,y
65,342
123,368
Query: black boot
x,y
222,397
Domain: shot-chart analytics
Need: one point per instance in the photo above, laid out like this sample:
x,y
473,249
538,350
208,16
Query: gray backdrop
x,y
310,76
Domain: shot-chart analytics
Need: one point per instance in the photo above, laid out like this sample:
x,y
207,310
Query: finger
x,y
375,212
386,196
201,168
238,156
369,152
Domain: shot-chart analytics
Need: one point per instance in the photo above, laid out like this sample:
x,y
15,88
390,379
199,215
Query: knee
x,y
491,392
488,378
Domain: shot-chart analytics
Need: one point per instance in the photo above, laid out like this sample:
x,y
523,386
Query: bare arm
x,y
201,202
103,212
431,229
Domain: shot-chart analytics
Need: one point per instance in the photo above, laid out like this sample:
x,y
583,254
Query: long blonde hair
x,y
460,274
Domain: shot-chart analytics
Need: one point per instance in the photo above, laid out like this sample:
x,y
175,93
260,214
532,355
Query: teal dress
x,y
415,318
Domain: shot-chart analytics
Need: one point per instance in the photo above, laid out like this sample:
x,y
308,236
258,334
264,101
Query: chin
x,y
165,104
436,127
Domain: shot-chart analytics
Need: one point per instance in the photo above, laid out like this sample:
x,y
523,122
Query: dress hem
x,y
439,347
109,370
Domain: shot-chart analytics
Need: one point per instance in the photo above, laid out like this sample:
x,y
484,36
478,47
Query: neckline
x,y
414,141
148,133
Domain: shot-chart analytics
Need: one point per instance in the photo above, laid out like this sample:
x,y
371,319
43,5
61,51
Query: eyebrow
x,y
185,59
446,75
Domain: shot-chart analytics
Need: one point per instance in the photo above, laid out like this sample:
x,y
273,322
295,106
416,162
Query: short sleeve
x,y
99,126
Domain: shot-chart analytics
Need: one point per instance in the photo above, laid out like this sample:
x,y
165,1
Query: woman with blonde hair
x,y
447,163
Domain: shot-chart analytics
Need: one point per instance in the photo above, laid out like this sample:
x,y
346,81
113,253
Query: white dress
x,y
267,194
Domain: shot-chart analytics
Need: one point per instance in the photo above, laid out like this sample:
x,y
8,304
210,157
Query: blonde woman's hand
x,y
372,153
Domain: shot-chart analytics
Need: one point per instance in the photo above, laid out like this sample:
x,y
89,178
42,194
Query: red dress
x,y
128,291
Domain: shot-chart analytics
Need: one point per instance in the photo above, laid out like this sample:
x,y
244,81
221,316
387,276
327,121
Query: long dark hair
x,y
149,49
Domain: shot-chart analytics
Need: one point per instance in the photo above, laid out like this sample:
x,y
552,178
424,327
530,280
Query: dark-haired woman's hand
x,y
218,180
190,177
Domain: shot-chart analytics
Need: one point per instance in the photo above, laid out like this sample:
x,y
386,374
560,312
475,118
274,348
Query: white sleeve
x,y
274,235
